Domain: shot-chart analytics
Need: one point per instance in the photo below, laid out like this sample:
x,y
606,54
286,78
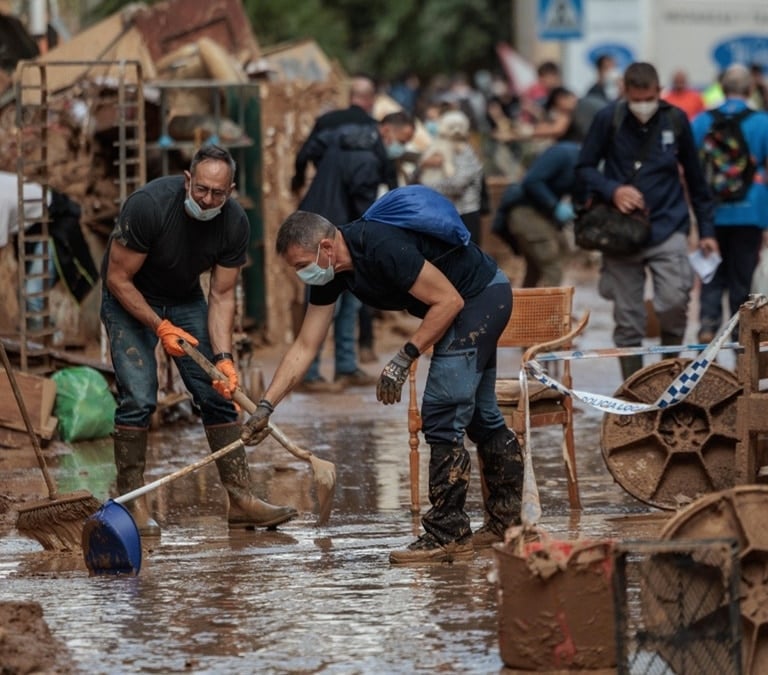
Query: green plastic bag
x,y
84,405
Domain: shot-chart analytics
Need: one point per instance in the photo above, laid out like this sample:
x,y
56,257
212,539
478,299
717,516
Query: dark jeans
x,y
132,347
460,393
740,251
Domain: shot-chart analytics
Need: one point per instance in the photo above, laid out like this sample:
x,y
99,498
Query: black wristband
x,y
266,404
222,356
412,350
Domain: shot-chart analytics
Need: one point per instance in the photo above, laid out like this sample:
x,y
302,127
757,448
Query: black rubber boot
x,y
245,509
447,535
501,462
630,365
449,468
130,448
669,339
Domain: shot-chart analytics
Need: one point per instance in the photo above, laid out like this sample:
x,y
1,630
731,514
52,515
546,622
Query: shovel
x,y
111,540
323,470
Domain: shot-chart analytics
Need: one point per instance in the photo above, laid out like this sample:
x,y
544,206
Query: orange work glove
x,y
228,386
170,335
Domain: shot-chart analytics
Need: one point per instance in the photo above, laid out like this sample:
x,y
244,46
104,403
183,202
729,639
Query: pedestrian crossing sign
x,y
560,19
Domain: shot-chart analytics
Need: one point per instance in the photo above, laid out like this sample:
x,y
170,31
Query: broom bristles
x,y
57,524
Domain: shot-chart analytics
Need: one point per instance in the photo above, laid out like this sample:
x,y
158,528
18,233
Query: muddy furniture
x,y
541,321
752,405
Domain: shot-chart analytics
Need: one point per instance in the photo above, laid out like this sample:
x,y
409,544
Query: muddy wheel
x,y
670,457
738,513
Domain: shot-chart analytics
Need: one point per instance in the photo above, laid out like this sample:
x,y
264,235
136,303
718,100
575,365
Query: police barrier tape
x,y
676,392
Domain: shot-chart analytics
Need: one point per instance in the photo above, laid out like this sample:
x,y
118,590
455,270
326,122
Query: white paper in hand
x,y
704,265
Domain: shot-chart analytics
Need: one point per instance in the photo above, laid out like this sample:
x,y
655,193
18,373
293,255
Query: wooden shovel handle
x,y
241,398
138,492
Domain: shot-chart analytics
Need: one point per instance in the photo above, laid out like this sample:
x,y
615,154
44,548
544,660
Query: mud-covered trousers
x,y
460,399
132,347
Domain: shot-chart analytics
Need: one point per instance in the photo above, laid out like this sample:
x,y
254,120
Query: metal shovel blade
x,y
111,541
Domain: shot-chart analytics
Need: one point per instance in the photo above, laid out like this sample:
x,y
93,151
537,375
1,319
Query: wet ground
x,y
302,599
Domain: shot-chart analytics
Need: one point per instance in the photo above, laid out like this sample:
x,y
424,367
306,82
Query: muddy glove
x,y
390,385
226,387
256,429
170,335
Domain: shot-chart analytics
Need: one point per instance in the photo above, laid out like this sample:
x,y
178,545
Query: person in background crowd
x,y
681,95
451,167
168,233
620,138
608,85
759,97
713,94
549,77
353,157
740,226
532,214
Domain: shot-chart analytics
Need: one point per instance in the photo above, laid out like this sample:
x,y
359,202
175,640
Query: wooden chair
x,y
541,321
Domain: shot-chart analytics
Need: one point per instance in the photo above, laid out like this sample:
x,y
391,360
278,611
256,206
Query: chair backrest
x,y
538,315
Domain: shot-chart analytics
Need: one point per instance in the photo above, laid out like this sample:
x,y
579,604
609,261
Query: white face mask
x,y
314,275
194,210
643,110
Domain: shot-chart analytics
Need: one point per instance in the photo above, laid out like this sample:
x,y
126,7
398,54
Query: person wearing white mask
x,y
168,233
608,85
643,142
464,302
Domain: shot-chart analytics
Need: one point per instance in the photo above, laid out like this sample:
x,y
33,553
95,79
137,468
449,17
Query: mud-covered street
x,y
301,599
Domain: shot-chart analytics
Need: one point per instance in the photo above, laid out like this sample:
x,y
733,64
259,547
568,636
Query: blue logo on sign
x,y
744,49
622,54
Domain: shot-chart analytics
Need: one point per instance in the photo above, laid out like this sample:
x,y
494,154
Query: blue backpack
x,y
422,209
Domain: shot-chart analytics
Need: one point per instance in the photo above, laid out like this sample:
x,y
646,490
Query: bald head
x,y
737,81
362,92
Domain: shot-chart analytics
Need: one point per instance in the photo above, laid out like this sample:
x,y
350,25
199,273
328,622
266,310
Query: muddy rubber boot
x,y
630,365
246,510
501,462
130,447
669,339
448,535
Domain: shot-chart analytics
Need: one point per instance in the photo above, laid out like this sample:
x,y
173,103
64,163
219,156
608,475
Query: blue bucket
x,y
111,541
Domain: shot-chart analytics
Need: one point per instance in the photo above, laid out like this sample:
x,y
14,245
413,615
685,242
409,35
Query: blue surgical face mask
x,y
395,150
431,127
194,210
314,275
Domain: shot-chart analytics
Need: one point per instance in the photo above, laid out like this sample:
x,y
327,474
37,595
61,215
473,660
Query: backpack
x,y
422,209
728,165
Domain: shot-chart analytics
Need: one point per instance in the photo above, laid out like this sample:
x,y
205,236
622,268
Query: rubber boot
x,y
501,462
449,468
669,339
447,533
245,509
630,365
130,448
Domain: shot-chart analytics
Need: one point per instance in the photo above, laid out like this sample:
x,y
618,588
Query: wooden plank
x,y
39,395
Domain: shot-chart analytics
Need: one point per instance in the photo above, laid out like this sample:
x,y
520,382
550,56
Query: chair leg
x,y
414,427
569,457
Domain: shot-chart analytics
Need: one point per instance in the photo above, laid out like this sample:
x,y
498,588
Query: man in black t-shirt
x,y
464,301
169,232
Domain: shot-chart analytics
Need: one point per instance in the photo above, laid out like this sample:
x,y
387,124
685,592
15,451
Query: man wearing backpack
x,y
643,147
733,142
464,301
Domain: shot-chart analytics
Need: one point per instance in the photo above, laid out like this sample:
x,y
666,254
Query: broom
x,y
57,523
323,470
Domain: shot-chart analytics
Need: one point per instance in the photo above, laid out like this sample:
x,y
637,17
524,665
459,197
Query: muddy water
x,y
302,599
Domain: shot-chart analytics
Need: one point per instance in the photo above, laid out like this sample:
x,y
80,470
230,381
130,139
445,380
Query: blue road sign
x,y
560,19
